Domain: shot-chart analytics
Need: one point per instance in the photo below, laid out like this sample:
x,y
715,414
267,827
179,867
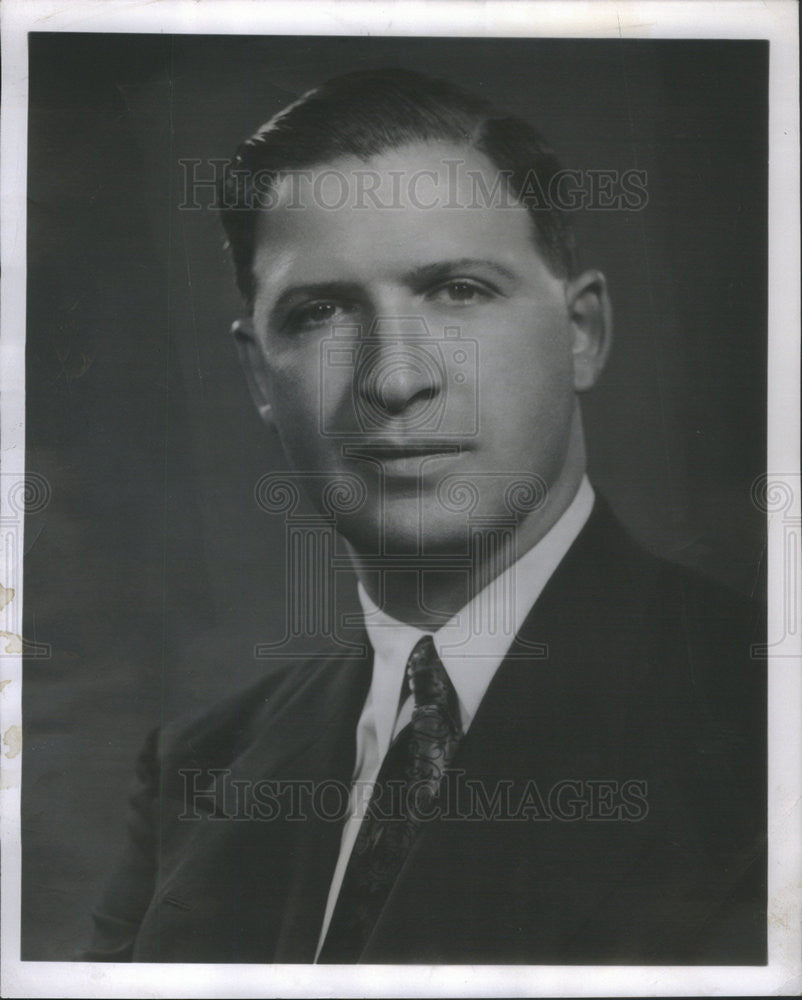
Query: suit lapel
x,y
542,722
305,728
529,889
323,756
253,882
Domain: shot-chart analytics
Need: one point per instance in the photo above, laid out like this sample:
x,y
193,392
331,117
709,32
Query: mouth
x,y
412,459
412,450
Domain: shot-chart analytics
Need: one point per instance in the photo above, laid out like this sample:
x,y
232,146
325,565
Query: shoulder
x,y
217,734
696,636
671,591
707,609
719,630
705,643
719,635
702,699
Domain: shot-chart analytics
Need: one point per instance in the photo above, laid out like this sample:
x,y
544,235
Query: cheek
x,y
532,358
293,373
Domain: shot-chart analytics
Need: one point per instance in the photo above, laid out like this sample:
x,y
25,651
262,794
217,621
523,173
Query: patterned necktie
x,y
403,798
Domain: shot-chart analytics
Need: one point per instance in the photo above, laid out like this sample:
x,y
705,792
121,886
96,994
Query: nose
x,y
400,370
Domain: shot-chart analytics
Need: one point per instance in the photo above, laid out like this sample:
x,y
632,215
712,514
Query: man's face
x,y
414,347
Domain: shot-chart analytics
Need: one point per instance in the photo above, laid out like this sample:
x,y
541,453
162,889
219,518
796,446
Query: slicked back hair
x,y
368,112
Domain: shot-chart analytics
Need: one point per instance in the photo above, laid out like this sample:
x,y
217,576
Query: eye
x,y
461,292
321,313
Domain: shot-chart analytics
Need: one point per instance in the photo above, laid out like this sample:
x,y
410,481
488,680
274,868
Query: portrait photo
x,y
397,501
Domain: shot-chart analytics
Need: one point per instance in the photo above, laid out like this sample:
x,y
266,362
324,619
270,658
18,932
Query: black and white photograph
x,y
400,460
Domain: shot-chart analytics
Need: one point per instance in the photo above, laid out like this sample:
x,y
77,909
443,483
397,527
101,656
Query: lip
x,y
410,460
391,452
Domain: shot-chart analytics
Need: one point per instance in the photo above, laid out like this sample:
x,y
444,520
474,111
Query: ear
x,y
591,318
253,365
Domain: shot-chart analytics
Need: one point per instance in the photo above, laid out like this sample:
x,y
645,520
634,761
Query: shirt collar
x,y
474,642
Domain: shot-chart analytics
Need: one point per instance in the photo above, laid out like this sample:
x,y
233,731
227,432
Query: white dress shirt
x,y
471,646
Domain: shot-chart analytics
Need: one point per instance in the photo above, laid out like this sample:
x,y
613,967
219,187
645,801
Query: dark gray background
x,y
152,571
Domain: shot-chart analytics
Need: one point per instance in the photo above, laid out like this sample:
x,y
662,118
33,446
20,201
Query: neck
x,y
400,592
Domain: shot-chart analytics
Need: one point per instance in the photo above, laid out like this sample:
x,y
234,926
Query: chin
x,y
401,533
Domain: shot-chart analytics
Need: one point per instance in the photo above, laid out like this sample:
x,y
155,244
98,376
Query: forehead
x,y
411,206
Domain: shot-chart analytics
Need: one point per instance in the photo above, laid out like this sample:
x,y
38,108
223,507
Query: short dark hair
x,y
367,112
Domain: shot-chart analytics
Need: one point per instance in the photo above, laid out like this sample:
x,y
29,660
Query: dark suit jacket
x,y
648,679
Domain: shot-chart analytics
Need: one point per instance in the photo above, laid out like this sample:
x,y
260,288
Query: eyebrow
x,y
442,269
417,278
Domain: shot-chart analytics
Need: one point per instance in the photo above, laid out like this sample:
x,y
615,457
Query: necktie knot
x,y
430,684
426,675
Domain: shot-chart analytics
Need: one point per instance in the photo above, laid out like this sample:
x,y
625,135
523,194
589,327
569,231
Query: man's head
x,y
365,113
418,336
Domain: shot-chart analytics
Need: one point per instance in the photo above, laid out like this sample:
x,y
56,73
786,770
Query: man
x,y
552,744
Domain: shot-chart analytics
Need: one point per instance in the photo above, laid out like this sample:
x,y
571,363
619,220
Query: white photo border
x,y
776,21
